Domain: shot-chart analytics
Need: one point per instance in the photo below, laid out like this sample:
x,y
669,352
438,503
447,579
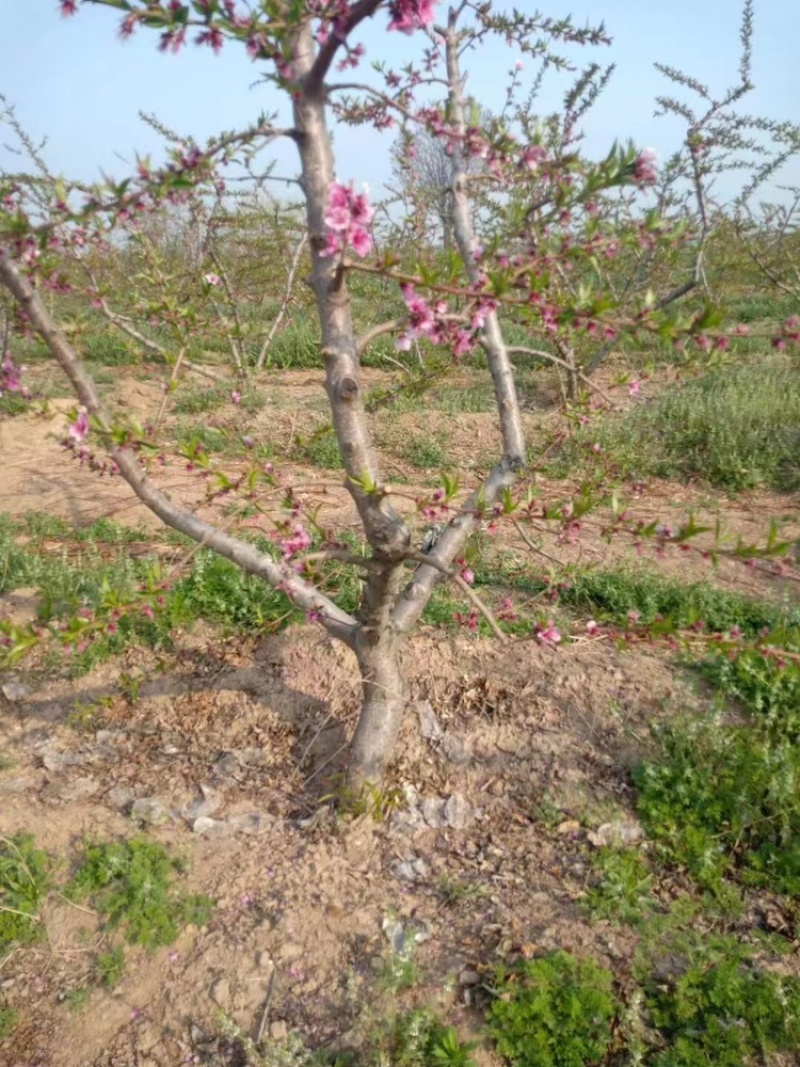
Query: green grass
x,y
610,594
735,428
132,886
622,889
712,1004
24,883
321,449
425,452
90,578
197,399
109,350
555,1011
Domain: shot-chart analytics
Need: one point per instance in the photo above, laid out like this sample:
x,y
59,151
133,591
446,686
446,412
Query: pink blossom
x,y
10,376
548,634
410,15
298,542
69,7
633,616
212,37
348,215
633,388
645,172
212,279
236,397
592,628
80,427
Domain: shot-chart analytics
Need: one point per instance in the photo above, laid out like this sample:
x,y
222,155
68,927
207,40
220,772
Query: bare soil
x,y
534,744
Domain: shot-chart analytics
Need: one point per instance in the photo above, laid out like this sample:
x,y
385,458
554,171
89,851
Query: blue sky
x,y
74,82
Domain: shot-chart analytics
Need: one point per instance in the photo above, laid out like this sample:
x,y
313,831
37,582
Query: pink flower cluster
x,y
348,215
298,541
11,377
423,319
645,172
409,15
80,427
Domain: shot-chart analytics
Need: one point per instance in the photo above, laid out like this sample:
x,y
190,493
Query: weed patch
x,y
735,428
710,1004
131,883
24,882
555,1011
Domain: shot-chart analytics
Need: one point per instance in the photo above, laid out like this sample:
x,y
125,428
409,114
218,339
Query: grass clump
x,y
622,888
131,884
420,1039
724,801
735,428
710,1004
24,882
218,591
555,1011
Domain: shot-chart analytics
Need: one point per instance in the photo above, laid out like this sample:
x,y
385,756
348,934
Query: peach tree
x,y
543,189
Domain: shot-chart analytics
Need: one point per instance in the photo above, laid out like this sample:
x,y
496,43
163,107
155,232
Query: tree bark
x,y
385,699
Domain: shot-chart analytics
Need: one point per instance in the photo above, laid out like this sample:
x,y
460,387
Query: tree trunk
x,y
384,704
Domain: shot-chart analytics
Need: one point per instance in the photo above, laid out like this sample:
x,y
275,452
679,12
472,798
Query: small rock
x,y
395,934
226,766
148,809
410,870
278,1030
57,761
120,796
15,785
204,825
16,691
206,804
469,978
79,789
433,812
456,748
221,992
252,823
248,757
622,832
458,812
429,726
405,823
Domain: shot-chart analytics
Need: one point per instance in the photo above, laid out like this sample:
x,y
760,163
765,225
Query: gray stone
x,y
148,809
248,757
433,812
429,726
458,811
456,748
621,832
16,785
16,691
410,870
120,796
226,766
205,825
79,789
206,804
252,823
57,761
405,823
469,978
